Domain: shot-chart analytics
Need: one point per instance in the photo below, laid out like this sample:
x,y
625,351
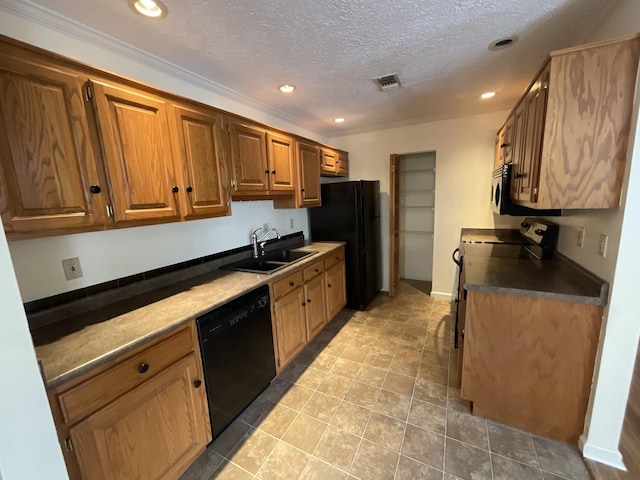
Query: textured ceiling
x,y
332,49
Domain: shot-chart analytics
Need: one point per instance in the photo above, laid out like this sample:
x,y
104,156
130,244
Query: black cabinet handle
x,y
518,175
94,189
538,231
316,270
291,283
304,304
308,300
175,189
143,367
266,171
504,145
273,172
524,225
197,383
328,285
302,190
189,189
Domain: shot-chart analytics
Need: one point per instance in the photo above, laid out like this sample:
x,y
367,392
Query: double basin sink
x,y
270,262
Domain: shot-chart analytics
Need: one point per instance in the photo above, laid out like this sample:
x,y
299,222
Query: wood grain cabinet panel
x,y
528,362
336,289
134,130
307,191
577,121
290,327
155,431
249,158
329,167
47,163
204,176
342,164
281,163
315,306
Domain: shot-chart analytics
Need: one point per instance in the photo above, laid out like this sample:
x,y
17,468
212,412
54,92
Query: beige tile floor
x,y
373,397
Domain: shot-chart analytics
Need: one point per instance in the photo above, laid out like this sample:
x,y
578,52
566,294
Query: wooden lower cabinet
x,y
153,432
303,303
315,306
528,362
336,289
151,424
290,326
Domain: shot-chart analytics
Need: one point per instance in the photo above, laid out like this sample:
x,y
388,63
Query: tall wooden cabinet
x,y
307,192
50,179
200,155
133,128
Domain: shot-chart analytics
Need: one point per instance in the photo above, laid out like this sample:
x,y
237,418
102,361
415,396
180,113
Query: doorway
x,y
412,204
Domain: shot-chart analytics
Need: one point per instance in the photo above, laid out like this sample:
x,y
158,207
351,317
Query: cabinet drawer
x,y
102,389
333,258
287,284
313,270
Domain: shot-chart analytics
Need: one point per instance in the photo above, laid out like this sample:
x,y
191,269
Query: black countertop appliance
x,y
350,212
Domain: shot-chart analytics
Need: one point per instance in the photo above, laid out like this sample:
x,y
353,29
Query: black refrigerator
x,y
350,212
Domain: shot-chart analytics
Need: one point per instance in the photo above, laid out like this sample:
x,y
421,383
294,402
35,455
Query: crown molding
x,y
52,20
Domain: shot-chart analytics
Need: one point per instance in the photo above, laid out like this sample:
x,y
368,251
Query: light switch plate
x,y
72,268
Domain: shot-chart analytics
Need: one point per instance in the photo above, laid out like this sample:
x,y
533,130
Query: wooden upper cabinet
x,y
516,146
249,158
307,178
342,164
204,176
329,166
281,163
47,163
134,130
576,131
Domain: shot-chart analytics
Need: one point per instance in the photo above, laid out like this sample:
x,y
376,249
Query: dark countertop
x,y
498,269
130,323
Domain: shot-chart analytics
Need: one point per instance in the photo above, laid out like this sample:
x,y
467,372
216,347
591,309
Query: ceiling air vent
x,y
388,82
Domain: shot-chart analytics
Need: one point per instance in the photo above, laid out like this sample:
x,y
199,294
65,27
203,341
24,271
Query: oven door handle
x,y
457,260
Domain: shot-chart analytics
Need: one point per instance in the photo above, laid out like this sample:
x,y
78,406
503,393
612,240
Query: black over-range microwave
x,y
501,202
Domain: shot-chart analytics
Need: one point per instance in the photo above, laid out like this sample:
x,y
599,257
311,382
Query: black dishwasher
x,y
236,342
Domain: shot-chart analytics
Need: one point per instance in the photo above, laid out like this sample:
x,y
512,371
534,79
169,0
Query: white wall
x,y
464,150
29,447
118,253
621,330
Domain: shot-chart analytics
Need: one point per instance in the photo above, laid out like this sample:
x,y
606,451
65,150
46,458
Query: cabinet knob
x,y
273,172
524,225
504,145
175,189
518,175
302,190
189,189
143,367
539,231
291,283
266,171
328,285
308,300
197,383
94,189
304,304
316,269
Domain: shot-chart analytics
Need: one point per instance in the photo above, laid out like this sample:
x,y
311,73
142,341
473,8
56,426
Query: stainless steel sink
x,y
269,263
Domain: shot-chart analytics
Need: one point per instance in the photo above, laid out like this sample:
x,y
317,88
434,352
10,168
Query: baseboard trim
x,y
606,456
441,296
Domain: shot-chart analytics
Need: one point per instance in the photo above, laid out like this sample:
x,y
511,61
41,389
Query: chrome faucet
x,y
259,241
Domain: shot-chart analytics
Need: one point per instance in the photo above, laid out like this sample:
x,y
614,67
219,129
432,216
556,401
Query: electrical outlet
x,y
291,223
604,239
72,268
581,233
265,226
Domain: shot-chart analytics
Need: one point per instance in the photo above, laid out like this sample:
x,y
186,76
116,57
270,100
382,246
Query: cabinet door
x,y
47,163
315,305
281,163
336,290
498,156
506,144
517,142
135,137
329,166
536,103
309,175
153,432
204,185
249,158
290,326
342,164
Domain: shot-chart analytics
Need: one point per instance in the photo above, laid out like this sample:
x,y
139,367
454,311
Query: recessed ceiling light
x,y
149,8
503,43
486,95
338,120
287,88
